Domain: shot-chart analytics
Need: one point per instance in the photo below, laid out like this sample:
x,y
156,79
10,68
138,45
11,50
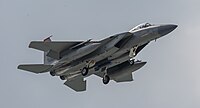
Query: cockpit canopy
x,y
140,26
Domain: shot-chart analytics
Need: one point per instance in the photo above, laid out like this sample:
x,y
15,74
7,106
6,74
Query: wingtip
x,y
18,67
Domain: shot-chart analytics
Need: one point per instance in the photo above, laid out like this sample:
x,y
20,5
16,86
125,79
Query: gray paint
x,y
170,79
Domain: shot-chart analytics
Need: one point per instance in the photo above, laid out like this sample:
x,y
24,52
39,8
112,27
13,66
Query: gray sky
x,y
170,79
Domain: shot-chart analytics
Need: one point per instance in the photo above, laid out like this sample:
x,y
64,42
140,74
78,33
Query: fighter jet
x,y
112,58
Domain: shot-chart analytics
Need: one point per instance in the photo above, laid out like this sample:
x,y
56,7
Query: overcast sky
x,y
170,79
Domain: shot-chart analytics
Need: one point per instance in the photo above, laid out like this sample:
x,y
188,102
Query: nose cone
x,y
165,29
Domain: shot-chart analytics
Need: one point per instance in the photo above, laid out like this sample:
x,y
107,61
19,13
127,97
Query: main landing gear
x,y
106,79
52,73
89,64
84,71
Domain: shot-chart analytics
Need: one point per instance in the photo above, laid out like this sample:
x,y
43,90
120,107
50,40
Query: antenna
x,y
48,39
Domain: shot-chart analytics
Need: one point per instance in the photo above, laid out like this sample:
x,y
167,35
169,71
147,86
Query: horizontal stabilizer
x,y
35,68
77,84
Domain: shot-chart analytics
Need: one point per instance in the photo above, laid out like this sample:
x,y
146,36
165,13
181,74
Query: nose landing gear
x,y
132,54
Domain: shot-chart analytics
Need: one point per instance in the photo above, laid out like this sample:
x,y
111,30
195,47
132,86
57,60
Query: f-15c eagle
x,y
112,58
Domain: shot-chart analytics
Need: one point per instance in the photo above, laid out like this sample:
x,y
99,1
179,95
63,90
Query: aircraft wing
x,y
127,78
56,46
122,72
78,84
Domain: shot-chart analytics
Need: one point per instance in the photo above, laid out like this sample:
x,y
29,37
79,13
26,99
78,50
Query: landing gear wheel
x,y
62,78
84,71
106,79
52,73
131,62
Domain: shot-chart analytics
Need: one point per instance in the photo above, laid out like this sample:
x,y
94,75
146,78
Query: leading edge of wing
x,y
56,46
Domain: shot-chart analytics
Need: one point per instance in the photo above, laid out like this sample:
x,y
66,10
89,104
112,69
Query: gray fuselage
x,y
109,50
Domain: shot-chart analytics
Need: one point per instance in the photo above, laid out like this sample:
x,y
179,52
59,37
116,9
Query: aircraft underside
x,y
112,58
